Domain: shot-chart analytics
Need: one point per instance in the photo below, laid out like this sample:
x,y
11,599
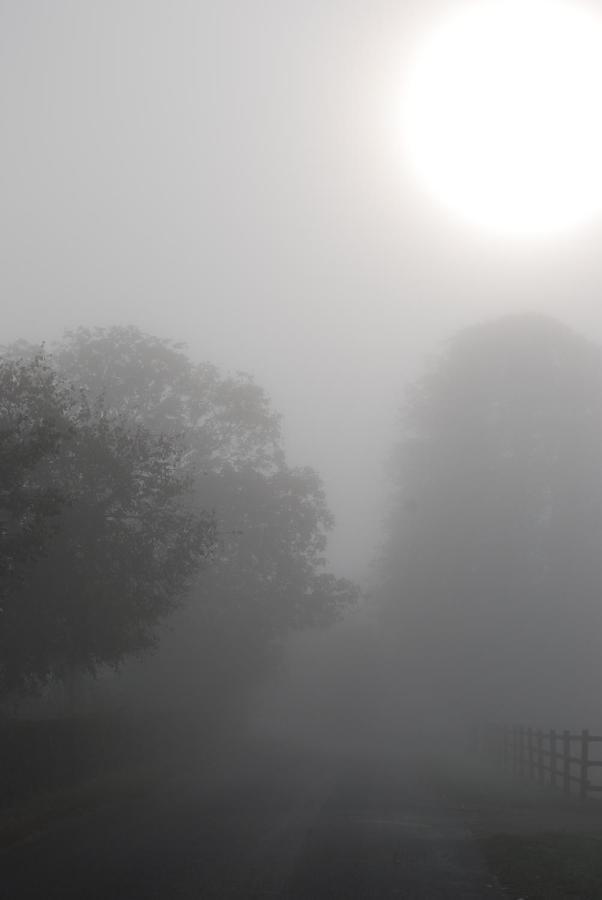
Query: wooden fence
x,y
559,759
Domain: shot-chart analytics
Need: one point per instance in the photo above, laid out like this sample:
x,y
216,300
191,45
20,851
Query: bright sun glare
x,y
502,114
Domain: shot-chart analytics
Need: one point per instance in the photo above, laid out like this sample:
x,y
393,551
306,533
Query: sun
x,y
502,114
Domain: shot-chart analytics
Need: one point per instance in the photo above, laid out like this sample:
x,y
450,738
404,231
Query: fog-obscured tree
x,y
493,555
101,541
268,575
34,424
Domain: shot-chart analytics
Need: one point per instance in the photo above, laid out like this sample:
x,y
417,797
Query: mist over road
x,y
281,823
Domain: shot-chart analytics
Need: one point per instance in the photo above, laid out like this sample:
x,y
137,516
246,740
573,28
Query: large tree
x,y
99,541
494,548
268,575
34,424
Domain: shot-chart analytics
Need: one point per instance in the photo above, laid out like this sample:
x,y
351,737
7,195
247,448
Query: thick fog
x,y
231,177
194,184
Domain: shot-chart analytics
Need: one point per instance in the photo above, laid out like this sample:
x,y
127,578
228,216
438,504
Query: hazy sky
x,y
230,174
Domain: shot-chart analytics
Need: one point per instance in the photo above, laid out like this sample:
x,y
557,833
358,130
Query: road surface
x,y
279,824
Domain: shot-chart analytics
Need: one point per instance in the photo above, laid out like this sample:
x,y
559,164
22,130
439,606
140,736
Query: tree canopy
x,y
98,541
267,574
34,423
493,553
273,519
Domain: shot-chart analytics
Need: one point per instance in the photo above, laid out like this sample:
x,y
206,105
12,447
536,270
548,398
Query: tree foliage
x,y
268,572
34,423
100,543
494,541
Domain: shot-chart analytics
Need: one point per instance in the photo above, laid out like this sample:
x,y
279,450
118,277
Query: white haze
x,y
229,174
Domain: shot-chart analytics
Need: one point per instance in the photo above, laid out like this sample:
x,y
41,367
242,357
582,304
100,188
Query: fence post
x,y
530,750
584,765
566,762
540,771
553,758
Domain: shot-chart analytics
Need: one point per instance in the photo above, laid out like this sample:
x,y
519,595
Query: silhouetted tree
x,y
34,424
268,575
494,547
122,545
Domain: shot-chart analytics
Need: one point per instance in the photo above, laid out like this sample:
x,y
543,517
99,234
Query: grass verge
x,y
25,822
547,866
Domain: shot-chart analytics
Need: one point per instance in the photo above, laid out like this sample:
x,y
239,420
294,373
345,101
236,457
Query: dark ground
x,y
274,823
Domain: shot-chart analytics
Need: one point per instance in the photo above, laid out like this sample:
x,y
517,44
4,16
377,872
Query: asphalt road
x,y
278,824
